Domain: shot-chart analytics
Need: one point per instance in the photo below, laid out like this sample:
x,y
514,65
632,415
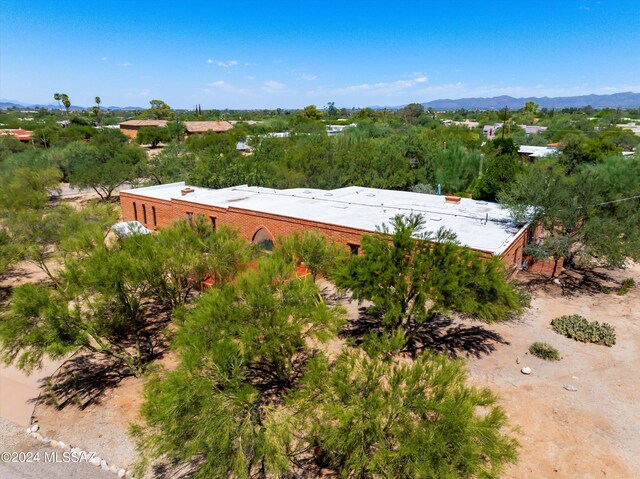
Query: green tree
x,y
180,258
174,163
331,111
308,113
159,110
313,250
411,112
498,175
456,167
176,129
153,135
240,349
531,107
589,216
96,110
103,167
367,418
410,275
66,103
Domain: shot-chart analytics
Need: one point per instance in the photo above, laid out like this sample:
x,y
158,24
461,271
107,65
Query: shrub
x,y
578,328
626,285
544,351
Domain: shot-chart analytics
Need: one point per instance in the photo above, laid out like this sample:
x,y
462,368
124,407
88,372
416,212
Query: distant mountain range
x,y
4,103
615,100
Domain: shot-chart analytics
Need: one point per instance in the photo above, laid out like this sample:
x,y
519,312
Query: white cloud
x,y
272,86
126,64
395,88
221,85
209,60
104,59
307,77
228,64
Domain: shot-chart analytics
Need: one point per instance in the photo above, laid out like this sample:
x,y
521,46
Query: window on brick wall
x,y
144,214
190,217
263,238
213,223
155,219
354,248
135,211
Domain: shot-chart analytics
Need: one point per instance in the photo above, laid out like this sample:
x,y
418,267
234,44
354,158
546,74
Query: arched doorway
x,y
264,239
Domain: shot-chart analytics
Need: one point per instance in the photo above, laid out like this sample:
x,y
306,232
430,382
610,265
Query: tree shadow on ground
x,y
5,293
332,297
440,334
85,378
573,282
176,470
586,281
444,336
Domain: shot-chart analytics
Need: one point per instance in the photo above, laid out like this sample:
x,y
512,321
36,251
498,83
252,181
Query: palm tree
x,y
96,110
65,101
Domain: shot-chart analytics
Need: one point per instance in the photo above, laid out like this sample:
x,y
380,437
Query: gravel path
x,y
14,441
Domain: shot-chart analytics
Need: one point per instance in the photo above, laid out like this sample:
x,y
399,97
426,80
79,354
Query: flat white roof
x,y
479,225
538,151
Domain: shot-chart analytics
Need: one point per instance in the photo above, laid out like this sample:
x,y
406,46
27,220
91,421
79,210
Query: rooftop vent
x,y
187,190
452,199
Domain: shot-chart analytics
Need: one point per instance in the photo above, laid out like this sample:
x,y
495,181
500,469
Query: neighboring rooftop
x,y
478,224
633,127
204,126
144,123
19,133
537,151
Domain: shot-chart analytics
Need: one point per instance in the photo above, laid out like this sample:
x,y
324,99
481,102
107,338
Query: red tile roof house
x,y
130,128
199,127
343,215
19,133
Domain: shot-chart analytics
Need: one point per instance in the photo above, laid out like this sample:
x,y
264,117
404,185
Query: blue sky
x,y
235,54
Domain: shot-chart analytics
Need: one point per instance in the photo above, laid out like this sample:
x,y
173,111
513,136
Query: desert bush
x,y
544,351
626,285
577,327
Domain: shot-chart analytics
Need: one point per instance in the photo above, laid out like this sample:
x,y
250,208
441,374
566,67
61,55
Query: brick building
x,y
343,215
130,128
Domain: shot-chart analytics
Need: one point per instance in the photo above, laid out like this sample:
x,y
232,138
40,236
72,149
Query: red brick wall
x,y
248,222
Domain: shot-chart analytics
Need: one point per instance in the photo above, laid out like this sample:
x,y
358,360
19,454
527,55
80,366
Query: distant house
x,y
634,128
533,152
468,123
199,127
130,128
533,129
490,130
19,133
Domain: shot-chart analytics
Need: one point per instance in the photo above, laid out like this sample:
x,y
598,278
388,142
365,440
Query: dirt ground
x,y
593,432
